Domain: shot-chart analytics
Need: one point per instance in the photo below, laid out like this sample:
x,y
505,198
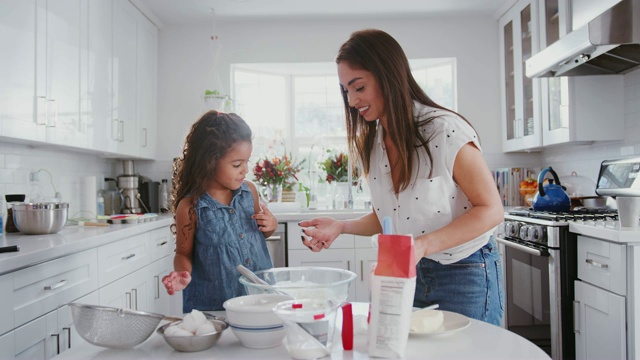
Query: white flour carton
x,y
392,288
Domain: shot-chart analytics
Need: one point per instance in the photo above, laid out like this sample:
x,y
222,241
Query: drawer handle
x,y
55,286
57,336
134,295
128,256
157,279
576,317
597,264
68,330
128,304
163,243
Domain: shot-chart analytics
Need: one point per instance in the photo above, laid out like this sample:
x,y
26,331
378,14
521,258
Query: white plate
x,y
452,322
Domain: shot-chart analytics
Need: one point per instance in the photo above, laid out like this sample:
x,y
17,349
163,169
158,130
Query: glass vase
x,y
274,192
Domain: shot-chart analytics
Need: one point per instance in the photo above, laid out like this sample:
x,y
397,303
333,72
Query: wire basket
x,y
112,327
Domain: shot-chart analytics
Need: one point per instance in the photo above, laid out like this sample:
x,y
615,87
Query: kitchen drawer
x,y
602,264
42,288
344,241
161,243
122,257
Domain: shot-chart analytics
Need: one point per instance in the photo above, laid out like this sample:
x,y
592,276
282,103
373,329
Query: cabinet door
x,y
334,258
125,43
67,336
58,71
147,85
518,42
97,77
17,61
159,300
600,325
130,292
33,340
365,259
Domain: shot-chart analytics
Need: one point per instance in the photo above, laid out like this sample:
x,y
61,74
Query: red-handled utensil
x,y
347,327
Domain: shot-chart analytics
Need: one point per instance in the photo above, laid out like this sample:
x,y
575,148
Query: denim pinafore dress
x,y
225,236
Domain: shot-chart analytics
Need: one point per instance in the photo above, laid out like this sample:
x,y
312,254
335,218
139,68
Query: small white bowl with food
x,y
196,332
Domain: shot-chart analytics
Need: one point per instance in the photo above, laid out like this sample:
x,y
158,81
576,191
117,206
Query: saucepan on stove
x,y
582,192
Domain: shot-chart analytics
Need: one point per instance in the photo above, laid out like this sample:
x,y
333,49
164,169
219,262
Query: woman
x,y
425,169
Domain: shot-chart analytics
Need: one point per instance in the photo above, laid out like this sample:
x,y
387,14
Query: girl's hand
x,y
176,281
267,222
319,233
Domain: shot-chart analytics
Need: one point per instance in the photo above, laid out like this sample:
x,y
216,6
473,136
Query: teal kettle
x,y
551,197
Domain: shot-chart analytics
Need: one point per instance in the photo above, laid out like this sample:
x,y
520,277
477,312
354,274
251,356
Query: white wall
x,y
186,65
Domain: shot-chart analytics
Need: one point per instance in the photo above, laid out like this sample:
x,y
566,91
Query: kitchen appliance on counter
x,y
540,259
128,185
621,180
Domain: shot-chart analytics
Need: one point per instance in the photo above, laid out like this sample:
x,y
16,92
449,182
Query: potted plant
x,y
276,174
336,167
214,101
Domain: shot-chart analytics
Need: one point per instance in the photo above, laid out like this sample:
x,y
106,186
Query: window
x,y
298,107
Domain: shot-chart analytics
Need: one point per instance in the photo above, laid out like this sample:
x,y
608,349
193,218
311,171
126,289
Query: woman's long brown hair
x,y
377,52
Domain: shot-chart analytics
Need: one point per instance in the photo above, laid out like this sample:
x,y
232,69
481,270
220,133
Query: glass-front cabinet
x,y
520,95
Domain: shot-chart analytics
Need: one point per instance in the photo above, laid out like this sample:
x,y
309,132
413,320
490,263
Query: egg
x,y
206,328
193,320
177,330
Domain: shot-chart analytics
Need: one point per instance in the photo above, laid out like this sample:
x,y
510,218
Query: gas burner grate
x,y
582,214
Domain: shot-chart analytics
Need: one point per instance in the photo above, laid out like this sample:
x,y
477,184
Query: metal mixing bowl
x,y
40,218
196,342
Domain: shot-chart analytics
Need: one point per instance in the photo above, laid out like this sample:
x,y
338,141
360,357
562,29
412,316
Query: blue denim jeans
x,y
472,286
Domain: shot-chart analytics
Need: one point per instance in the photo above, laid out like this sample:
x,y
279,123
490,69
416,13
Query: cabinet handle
x,y
157,287
349,265
361,270
55,286
41,118
128,305
134,295
144,137
597,264
128,256
163,243
52,113
121,131
68,330
576,317
115,129
57,336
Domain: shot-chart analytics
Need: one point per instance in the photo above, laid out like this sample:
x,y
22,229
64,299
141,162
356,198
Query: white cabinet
x,y
521,126
353,253
147,86
129,292
123,257
125,54
162,254
600,324
17,64
58,71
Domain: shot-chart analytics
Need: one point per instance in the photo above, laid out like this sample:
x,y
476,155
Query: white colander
x,y
112,327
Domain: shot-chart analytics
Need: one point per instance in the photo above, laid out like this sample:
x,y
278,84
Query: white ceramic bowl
x,y
253,321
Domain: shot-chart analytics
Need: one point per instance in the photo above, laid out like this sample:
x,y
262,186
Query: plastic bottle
x,y
164,196
99,205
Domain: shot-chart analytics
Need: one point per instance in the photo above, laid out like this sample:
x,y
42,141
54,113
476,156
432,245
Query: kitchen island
x,y
479,340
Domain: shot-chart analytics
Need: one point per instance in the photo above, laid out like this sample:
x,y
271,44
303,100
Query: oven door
x,y
529,311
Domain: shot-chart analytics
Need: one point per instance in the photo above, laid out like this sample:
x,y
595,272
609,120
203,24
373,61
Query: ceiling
x,y
179,12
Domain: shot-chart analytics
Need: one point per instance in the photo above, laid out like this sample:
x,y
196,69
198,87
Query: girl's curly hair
x,y
209,139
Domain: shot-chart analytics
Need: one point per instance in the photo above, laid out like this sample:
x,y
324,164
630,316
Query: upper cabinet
x,y
518,33
551,111
80,73
17,64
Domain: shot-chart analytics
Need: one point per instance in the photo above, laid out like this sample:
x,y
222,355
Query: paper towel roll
x,y
88,196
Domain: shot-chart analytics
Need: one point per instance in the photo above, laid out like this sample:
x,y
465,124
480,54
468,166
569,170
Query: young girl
x,y
219,222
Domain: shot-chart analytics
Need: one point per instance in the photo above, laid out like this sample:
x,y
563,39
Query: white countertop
x,y
478,341
606,230
35,249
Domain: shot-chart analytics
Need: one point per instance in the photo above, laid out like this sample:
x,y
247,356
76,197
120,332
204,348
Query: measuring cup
x,y
309,326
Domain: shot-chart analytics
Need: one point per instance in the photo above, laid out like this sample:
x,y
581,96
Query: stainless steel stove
x,y
540,268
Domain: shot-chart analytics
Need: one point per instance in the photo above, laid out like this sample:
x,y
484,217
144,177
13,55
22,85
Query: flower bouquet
x,y
277,173
336,167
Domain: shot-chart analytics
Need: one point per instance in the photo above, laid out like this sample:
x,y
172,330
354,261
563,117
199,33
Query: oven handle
x,y
517,246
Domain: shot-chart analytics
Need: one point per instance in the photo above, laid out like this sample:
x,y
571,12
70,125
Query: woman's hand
x,y
319,233
176,281
267,222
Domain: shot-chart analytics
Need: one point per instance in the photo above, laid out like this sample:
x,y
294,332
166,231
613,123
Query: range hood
x,y
608,44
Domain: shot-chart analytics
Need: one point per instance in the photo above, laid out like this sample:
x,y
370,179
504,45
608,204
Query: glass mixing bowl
x,y
322,283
